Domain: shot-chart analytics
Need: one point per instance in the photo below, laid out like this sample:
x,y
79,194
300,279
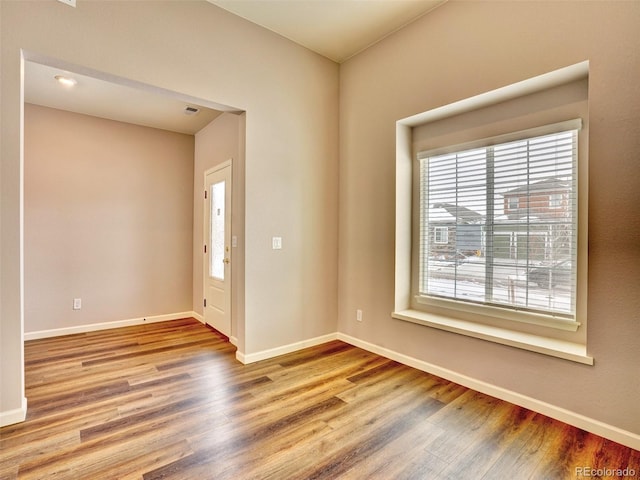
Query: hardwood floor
x,y
169,401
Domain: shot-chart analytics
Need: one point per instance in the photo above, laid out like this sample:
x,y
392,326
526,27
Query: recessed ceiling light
x,y
66,81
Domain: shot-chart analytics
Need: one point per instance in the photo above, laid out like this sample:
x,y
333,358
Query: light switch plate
x,y
276,243
71,3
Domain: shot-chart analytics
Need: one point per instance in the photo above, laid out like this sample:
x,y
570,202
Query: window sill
x,y
510,315
548,346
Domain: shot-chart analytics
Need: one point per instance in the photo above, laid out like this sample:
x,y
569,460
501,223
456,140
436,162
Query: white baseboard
x,y
198,317
16,415
93,327
292,347
616,434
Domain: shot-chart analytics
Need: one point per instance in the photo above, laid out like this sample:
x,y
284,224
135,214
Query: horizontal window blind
x,y
508,206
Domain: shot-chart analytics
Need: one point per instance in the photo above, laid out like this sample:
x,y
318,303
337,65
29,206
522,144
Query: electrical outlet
x,y
77,303
276,243
359,315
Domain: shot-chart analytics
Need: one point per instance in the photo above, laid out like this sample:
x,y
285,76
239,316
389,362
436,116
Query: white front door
x,y
217,248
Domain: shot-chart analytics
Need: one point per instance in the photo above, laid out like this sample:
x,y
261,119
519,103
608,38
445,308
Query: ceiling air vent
x,y
190,110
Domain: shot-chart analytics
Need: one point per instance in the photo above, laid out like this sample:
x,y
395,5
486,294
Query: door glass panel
x,y
216,258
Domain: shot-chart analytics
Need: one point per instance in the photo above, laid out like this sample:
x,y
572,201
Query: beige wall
x,y
221,140
460,50
108,219
291,98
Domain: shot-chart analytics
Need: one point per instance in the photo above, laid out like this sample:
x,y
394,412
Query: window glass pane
x,y
216,257
498,224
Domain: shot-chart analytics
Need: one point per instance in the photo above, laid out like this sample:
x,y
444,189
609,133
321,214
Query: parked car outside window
x,y
558,273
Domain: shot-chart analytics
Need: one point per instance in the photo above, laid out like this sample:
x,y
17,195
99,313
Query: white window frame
x,y
548,336
564,321
555,200
440,235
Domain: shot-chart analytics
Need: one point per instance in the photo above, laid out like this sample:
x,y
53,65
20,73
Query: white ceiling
x,y
337,29
115,101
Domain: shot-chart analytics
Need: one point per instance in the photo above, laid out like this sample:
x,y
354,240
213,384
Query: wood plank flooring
x,y
169,401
